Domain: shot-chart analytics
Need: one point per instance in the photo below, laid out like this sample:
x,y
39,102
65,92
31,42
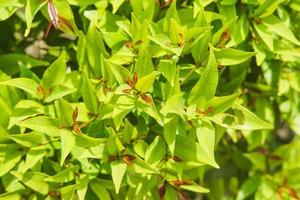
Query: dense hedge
x,y
149,99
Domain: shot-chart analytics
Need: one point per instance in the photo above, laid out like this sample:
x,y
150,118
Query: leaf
x,y
144,63
217,37
205,88
23,110
242,119
266,8
10,3
67,143
189,150
87,141
9,63
194,188
170,131
82,186
82,2
5,13
68,192
221,104
31,9
144,84
95,48
89,95
55,73
175,105
228,56
99,190
28,140
169,70
9,158
165,43
266,36
248,187
118,170
33,156
114,145
64,176
28,85
65,112
11,195
155,152
206,139
142,9
43,124
59,91
33,180
240,32
279,28
116,4
139,166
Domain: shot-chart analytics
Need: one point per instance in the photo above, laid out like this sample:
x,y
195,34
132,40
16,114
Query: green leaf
x,y
89,95
28,139
23,110
206,139
11,195
175,105
95,47
114,145
67,143
6,12
31,9
9,63
55,73
144,63
189,150
68,192
64,112
82,186
43,124
155,152
9,157
33,156
87,141
276,26
194,188
143,9
28,85
221,104
118,171
64,176
145,83
265,34
165,43
248,187
11,3
33,180
205,88
230,56
170,131
242,119
139,166
59,91
116,4
169,70
82,2
266,8
100,190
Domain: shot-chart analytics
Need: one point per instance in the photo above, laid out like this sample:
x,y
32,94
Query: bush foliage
x,y
149,99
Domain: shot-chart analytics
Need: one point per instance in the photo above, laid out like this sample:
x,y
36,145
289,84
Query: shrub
x,y
149,99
